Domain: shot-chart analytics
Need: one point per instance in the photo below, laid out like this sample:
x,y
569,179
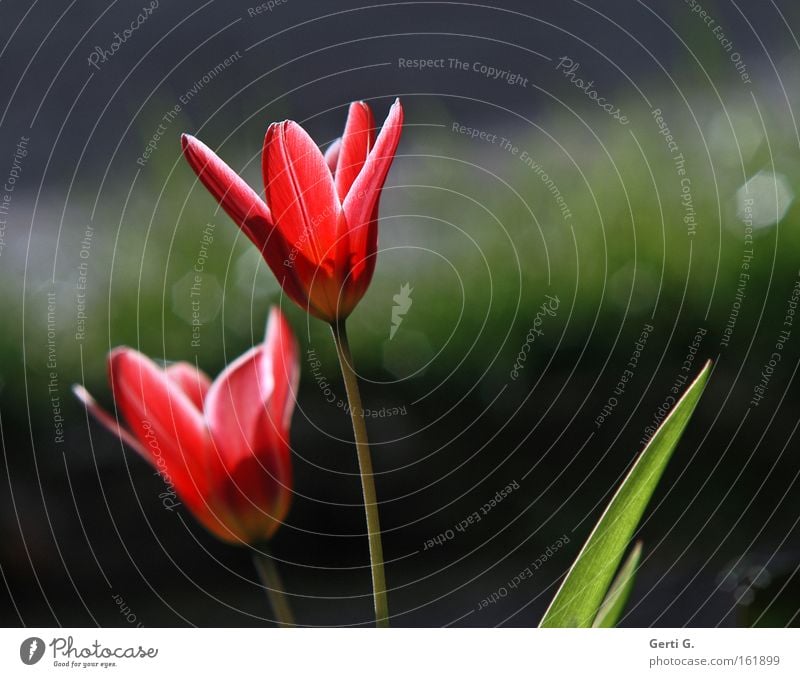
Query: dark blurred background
x,y
587,209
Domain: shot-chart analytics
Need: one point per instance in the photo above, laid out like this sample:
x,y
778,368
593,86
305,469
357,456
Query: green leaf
x,y
578,599
614,603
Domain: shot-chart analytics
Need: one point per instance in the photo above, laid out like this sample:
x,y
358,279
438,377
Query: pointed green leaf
x,y
578,599
614,603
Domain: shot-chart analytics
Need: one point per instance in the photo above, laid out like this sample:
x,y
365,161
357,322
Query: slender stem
x,y
367,477
273,585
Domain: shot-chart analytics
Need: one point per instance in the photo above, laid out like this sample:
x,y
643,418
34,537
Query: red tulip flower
x,y
224,446
318,228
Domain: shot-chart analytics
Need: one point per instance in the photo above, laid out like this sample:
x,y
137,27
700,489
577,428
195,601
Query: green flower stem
x,y
367,477
273,585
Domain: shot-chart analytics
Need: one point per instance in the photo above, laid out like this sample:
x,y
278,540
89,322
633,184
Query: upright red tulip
x,y
318,228
224,446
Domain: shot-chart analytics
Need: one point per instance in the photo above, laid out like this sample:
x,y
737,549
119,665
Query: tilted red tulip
x,y
318,228
224,446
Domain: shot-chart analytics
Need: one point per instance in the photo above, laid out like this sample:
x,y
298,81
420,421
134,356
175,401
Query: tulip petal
x,y
359,135
301,192
237,198
252,447
248,407
254,500
235,404
163,418
172,433
185,489
361,204
248,410
108,421
191,380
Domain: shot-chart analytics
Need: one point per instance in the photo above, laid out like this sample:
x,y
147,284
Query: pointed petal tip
x,y
281,350
119,353
273,318
277,324
82,394
124,362
109,422
332,154
273,129
86,399
279,124
397,109
189,142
